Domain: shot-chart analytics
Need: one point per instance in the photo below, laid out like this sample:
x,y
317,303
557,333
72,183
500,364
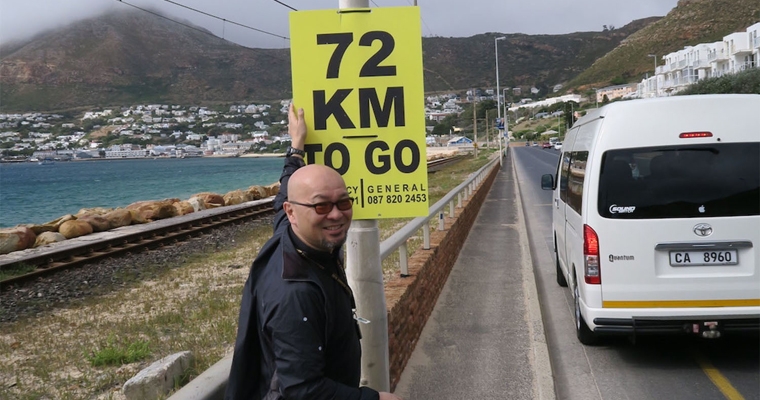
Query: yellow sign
x,y
357,74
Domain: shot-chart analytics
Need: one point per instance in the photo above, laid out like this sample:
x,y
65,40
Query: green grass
x,y
113,353
440,183
17,270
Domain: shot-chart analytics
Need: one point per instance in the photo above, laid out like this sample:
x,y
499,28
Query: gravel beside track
x,y
76,285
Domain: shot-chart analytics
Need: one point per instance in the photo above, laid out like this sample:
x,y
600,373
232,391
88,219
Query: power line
x,y
279,2
226,20
423,19
166,18
201,30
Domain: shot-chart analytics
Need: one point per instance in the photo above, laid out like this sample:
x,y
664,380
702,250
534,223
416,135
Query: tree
x,y
569,110
618,80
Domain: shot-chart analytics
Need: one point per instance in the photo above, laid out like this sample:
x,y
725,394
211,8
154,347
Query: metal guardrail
x,y
399,239
210,384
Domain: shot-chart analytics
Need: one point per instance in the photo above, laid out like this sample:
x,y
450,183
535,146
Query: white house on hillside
x,y
737,52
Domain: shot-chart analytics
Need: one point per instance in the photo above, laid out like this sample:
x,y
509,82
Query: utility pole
x,y
365,276
655,73
488,130
475,123
572,115
498,92
505,137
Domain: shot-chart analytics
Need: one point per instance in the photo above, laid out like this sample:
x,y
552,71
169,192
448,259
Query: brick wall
x,y
410,300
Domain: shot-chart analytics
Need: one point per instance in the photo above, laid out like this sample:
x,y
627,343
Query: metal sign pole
x,y
365,276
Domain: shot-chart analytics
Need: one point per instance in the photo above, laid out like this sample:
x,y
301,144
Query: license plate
x,y
703,257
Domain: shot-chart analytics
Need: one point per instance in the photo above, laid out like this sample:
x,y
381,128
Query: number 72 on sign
x,y
357,74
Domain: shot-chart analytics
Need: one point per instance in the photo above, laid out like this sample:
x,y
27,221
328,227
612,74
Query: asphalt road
x,y
652,367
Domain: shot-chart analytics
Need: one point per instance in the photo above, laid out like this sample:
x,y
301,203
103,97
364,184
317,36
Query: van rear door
x,y
679,226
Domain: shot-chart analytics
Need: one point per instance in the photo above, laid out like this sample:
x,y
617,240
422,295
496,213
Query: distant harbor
x,y
33,194
53,161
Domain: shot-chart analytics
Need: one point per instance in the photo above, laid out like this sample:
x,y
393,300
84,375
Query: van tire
x,y
561,280
585,335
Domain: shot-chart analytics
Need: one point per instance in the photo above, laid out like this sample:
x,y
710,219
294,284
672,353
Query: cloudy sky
x,y
449,18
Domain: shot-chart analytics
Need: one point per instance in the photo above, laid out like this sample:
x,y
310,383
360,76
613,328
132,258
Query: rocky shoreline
x,y
90,220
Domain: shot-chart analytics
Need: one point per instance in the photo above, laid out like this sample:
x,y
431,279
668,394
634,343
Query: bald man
x,y
297,334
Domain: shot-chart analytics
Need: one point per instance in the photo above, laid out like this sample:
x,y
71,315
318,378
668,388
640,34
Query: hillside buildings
x,y
737,52
43,136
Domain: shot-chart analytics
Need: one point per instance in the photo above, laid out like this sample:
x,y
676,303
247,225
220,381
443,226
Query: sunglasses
x,y
325,207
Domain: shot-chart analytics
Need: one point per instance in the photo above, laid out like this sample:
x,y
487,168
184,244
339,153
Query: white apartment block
x,y
737,52
126,153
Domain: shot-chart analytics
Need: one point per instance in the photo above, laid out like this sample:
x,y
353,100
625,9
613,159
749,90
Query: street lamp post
x,y
498,92
654,56
506,116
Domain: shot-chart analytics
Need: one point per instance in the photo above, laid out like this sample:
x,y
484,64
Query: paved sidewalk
x,y
485,338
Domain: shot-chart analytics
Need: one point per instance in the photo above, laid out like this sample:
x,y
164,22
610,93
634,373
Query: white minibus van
x,y
656,217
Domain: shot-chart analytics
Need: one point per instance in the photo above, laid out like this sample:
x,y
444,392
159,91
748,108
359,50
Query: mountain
x,y
524,60
135,57
130,57
691,22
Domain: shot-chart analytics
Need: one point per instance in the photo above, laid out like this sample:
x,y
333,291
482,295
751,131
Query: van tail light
x,y
691,135
592,271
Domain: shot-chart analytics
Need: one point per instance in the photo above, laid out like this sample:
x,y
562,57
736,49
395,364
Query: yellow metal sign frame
x,y
358,76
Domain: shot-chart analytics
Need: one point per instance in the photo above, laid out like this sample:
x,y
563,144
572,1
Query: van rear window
x,y
717,180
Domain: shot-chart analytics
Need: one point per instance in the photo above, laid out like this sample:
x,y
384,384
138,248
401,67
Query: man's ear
x,y
290,212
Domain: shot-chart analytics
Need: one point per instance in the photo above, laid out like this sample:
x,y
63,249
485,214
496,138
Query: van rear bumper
x,y
675,325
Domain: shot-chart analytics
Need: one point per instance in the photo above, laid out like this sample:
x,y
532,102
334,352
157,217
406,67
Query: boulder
x,y
136,217
159,378
197,203
98,222
211,200
75,228
257,192
94,211
48,238
152,210
51,226
235,197
183,207
118,218
272,189
17,238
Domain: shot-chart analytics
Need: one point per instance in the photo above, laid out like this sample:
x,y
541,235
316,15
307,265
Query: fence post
x,y
402,259
426,235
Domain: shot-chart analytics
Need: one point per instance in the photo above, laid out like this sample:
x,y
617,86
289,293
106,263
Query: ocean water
x,y
32,194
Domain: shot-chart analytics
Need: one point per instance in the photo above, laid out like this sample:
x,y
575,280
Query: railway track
x,y
134,238
72,253
436,165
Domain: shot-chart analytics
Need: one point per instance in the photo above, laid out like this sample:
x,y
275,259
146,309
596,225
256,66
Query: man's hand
x,y
296,127
389,396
